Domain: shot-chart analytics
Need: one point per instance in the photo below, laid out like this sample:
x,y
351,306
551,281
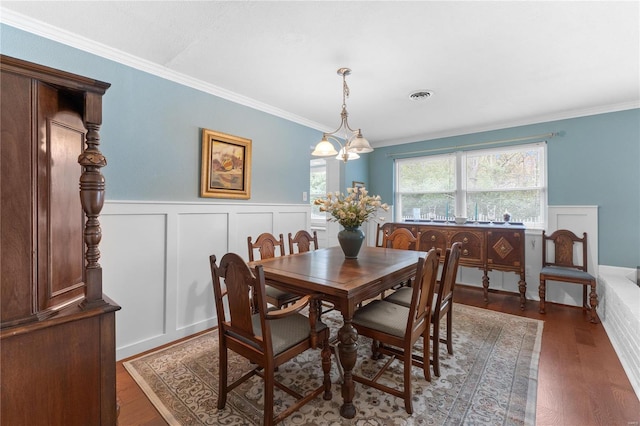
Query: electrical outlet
x,y
304,196
527,270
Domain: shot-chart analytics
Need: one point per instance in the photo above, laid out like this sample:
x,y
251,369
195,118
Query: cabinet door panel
x,y
66,215
505,248
60,234
472,244
432,238
17,296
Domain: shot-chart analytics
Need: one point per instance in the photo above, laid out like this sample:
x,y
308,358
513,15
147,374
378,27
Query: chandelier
x,y
354,142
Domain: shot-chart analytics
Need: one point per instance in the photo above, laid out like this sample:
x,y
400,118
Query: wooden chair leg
x,y
542,290
375,350
222,379
593,301
426,355
408,406
436,348
269,379
449,328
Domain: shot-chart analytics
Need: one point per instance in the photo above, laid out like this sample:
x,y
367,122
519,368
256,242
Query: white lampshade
x,y
324,149
350,155
360,145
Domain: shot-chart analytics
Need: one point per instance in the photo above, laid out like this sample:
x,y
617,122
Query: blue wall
x,y
151,138
151,134
594,161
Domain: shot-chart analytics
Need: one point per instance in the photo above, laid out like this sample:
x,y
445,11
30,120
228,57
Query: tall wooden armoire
x,y
57,336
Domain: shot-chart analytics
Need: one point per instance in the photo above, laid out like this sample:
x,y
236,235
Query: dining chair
x,y
395,329
304,241
381,231
267,338
269,246
560,265
442,303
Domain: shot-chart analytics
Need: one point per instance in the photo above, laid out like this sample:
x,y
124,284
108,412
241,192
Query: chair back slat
x,y
564,243
267,245
304,241
449,274
400,238
423,289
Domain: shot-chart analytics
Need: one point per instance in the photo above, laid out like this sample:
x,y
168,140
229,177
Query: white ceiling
x,y
490,64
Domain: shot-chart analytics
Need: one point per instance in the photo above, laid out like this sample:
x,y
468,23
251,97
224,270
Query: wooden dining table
x,y
344,283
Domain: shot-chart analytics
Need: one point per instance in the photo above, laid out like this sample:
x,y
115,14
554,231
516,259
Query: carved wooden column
x,y
92,187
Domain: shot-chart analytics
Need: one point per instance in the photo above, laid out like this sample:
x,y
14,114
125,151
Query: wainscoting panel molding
x,y
155,260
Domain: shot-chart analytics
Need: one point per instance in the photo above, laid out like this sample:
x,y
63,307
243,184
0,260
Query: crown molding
x,y
59,35
564,115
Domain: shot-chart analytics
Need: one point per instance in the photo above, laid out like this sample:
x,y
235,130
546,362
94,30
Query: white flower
x,y
353,209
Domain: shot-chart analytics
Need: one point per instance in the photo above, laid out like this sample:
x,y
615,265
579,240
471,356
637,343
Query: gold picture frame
x,y
226,166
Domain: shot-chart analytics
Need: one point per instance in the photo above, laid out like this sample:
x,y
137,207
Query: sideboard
x,y
487,246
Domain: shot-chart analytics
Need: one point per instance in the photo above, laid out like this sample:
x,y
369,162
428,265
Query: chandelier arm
x,y
342,124
333,138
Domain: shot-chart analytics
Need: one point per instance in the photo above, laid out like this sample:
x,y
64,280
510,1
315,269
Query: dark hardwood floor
x,y
580,379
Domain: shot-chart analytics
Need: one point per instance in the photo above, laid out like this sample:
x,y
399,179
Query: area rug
x,y
491,379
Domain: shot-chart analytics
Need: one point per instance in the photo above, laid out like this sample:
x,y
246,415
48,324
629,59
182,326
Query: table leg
x,y
348,349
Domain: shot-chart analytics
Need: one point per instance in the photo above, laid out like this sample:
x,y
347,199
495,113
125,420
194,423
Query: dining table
x,y
345,283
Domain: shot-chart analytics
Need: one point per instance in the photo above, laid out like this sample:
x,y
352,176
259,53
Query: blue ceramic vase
x,y
350,240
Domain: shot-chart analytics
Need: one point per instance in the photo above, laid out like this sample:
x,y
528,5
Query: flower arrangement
x,y
353,209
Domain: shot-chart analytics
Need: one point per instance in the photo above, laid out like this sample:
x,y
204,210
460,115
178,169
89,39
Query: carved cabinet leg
x,y
522,287
485,285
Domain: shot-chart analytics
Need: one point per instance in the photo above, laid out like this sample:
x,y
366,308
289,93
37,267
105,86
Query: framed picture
x,y
357,185
226,166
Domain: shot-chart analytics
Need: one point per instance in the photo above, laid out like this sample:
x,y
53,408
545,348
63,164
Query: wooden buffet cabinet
x,y
57,335
485,246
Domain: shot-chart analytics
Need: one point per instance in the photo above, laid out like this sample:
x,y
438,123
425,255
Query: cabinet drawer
x,y
472,243
430,238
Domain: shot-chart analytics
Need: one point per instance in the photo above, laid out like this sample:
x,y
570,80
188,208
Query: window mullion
x,y
461,185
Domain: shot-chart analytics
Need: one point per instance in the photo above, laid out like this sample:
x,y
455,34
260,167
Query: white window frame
x,y
460,191
318,221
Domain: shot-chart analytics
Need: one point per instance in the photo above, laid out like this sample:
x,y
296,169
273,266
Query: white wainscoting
x,y
155,260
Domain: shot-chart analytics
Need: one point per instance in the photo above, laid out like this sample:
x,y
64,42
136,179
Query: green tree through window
x,y
483,183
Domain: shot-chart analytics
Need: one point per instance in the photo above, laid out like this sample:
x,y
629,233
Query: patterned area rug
x,y
491,379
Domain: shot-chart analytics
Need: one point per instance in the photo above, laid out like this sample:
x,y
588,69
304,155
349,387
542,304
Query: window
x,y
480,184
318,189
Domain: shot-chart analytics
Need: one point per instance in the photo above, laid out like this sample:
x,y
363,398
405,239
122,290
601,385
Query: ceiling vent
x,y
421,95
